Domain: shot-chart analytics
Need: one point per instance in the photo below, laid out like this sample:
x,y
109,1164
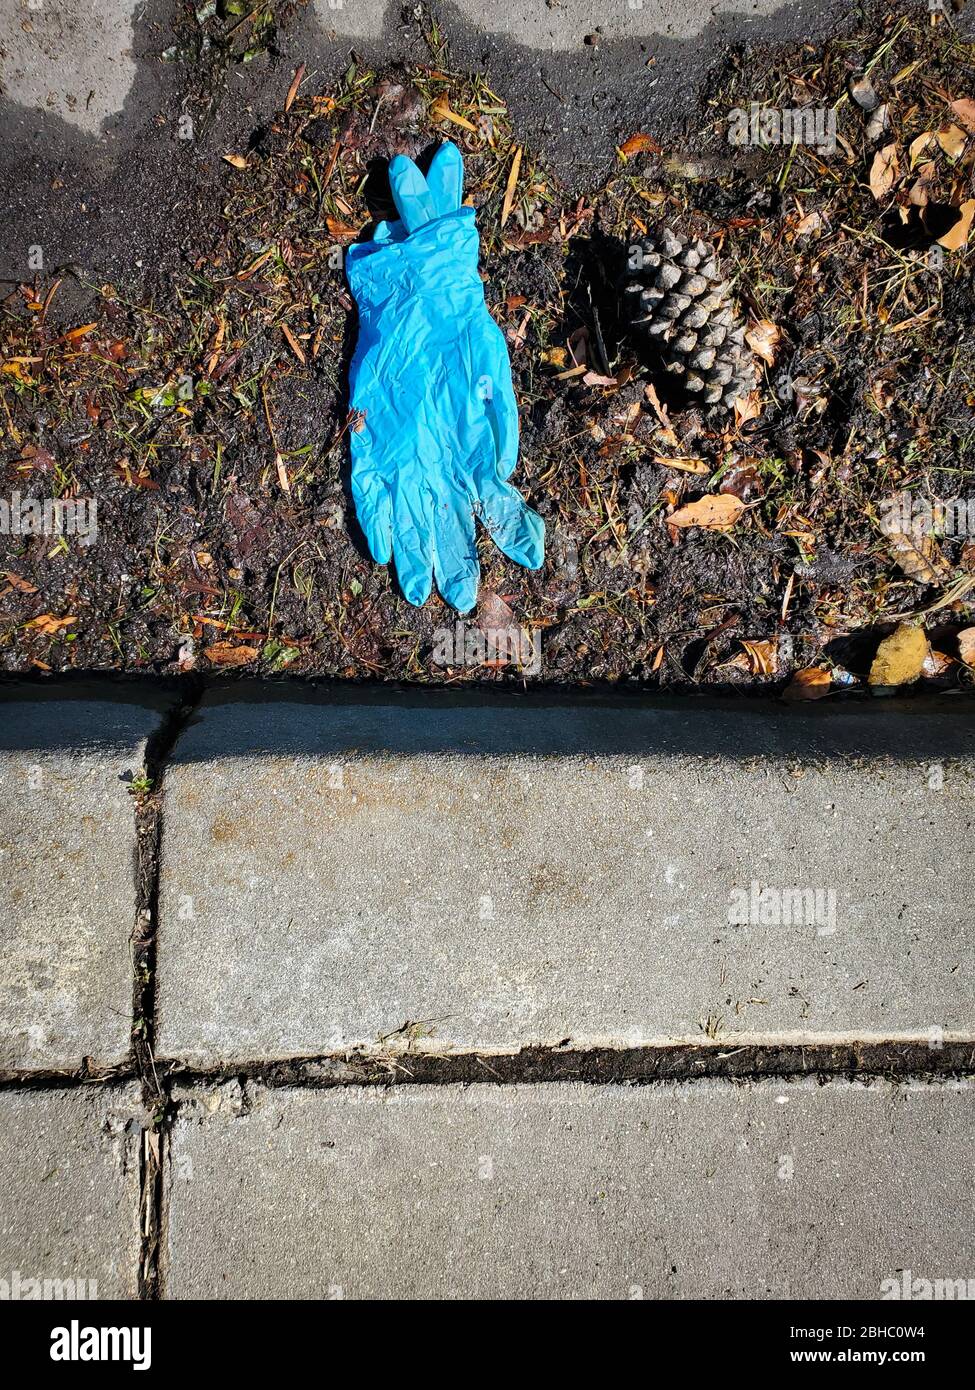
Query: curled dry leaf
x,y
863,93
293,89
763,338
966,645
686,465
809,223
918,146
900,657
761,657
748,408
293,343
639,144
237,160
511,186
441,111
952,141
49,624
811,683
340,230
957,236
660,410
883,172
712,513
919,557
965,111
227,654
936,666
16,581
878,123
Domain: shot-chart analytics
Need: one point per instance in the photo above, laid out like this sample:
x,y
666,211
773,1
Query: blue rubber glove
x,y
432,380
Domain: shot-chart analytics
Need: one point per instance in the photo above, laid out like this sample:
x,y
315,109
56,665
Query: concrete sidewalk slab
x,y
708,1190
551,28
489,873
75,61
69,1200
67,872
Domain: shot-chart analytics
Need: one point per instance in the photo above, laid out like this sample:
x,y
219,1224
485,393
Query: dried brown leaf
x,y
763,338
712,513
965,111
441,111
16,581
227,654
509,192
919,557
49,624
957,236
293,89
686,465
952,141
639,144
293,343
883,172
761,656
811,683
342,231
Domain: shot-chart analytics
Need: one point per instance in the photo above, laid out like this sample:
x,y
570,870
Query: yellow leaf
x,y
237,160
440,111
687,465
15,369
952,141
509,192
918,146
712,513
900,657
49,624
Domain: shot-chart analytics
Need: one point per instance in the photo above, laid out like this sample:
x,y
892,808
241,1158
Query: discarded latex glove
x,y
432,380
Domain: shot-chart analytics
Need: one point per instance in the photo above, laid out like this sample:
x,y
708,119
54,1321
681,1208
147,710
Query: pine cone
x,y
676,297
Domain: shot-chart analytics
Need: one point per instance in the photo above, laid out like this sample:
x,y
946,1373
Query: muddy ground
x,y
200,396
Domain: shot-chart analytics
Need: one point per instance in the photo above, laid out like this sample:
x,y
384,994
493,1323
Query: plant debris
x,y
210,423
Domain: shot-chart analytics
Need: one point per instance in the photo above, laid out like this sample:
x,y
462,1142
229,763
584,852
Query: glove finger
x,y
410,193
413,542
445,179
516,530
374,508
455,562
493,387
